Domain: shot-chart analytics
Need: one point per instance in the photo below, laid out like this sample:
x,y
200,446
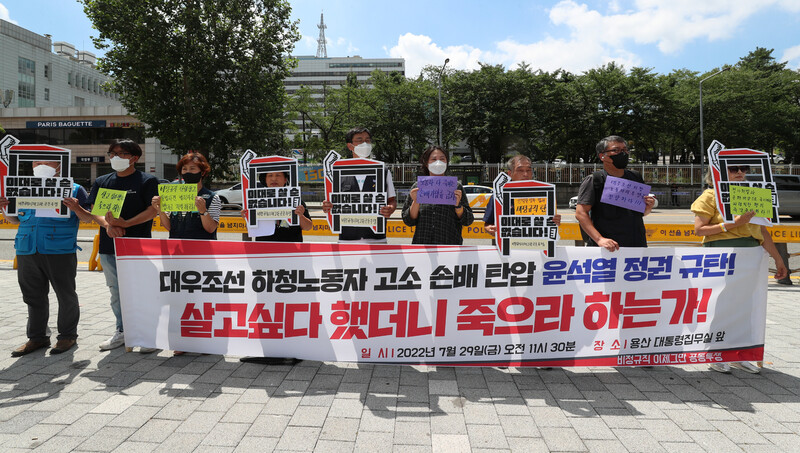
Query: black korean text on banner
x,y
357,190
269,203
524,212
25,191
759,166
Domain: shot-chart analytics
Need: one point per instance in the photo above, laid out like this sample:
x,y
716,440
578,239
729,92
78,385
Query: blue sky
x,y
571,34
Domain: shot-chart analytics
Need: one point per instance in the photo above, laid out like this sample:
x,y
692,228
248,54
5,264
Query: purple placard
x,y
437,190
625,193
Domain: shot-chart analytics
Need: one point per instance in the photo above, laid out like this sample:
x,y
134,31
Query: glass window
x,y
26,93
57,137
47,94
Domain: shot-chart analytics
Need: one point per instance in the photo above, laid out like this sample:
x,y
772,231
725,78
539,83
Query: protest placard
x,y
625,193
757,168
437,190
746,199
178,197
264,205
109,200
530,206
25,191
357,189
524,213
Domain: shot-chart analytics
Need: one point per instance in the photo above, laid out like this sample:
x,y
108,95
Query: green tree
x,y
202,74
400,114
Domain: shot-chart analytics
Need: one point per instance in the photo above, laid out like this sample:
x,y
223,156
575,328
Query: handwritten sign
x,y
625,193
109,200
177,197
745,199
530,206
437,190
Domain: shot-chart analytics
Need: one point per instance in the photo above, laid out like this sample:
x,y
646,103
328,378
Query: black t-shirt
x,y
141,188
623,225
287,233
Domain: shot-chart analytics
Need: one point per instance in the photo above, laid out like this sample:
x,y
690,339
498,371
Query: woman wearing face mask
x,y
436,224
716,232
283,231
200,224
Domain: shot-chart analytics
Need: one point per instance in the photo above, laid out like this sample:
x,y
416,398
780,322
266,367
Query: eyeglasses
x,y
123,154
741,168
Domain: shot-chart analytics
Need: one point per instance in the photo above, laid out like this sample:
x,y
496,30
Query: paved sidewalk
x,y
115,401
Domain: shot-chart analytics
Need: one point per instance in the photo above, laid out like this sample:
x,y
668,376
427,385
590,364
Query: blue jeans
x,y
109,263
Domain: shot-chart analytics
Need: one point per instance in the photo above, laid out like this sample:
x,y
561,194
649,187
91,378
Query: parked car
x,y
231,195
573,202
788,187
478,196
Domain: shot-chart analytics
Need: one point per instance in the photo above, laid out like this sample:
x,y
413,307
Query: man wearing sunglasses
x,y
605,225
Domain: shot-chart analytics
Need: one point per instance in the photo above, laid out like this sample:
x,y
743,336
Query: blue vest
x,y
46,235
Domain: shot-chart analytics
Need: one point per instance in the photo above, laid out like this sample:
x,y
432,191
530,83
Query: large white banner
x,y
456,305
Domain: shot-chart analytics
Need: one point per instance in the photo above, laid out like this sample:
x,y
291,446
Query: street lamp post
x,y
702,143
446,60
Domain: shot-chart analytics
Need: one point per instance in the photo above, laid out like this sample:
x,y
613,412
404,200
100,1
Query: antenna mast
x,y
322,51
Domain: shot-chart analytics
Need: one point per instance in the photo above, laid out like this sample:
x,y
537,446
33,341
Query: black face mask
x,y
192,178
620,160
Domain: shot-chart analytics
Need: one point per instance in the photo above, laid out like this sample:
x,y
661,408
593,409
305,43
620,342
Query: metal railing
x,y
681,174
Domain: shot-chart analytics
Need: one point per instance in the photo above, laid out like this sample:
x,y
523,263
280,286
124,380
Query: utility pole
x,y
440,100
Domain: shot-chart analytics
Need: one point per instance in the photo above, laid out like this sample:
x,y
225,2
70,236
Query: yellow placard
x,y
530,206
746,199
109,200
177,197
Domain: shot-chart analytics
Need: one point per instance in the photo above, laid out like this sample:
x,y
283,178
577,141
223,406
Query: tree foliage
x,y
202,74
545,115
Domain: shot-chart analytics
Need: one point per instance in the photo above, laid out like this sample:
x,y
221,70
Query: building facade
x,y
33,75
321,74
52,94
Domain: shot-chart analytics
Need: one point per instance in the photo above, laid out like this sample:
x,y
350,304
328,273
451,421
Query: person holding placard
x,y
604,224
283,231
436,205
45,247
359,143
202,220
135,218
710,225
519,169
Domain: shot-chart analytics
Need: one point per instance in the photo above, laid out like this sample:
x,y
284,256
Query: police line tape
x,y
656,232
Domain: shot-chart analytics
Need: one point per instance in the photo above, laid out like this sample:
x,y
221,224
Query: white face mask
x,y
437,167
363,150
120,164
44,171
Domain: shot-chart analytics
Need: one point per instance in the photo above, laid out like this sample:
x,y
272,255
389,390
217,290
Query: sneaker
x,y
63,346
114,342
29,346
148,350
720,367
746,366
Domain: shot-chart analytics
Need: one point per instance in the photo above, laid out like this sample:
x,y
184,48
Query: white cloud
x,y
792,56
5,15
420,50
592,38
